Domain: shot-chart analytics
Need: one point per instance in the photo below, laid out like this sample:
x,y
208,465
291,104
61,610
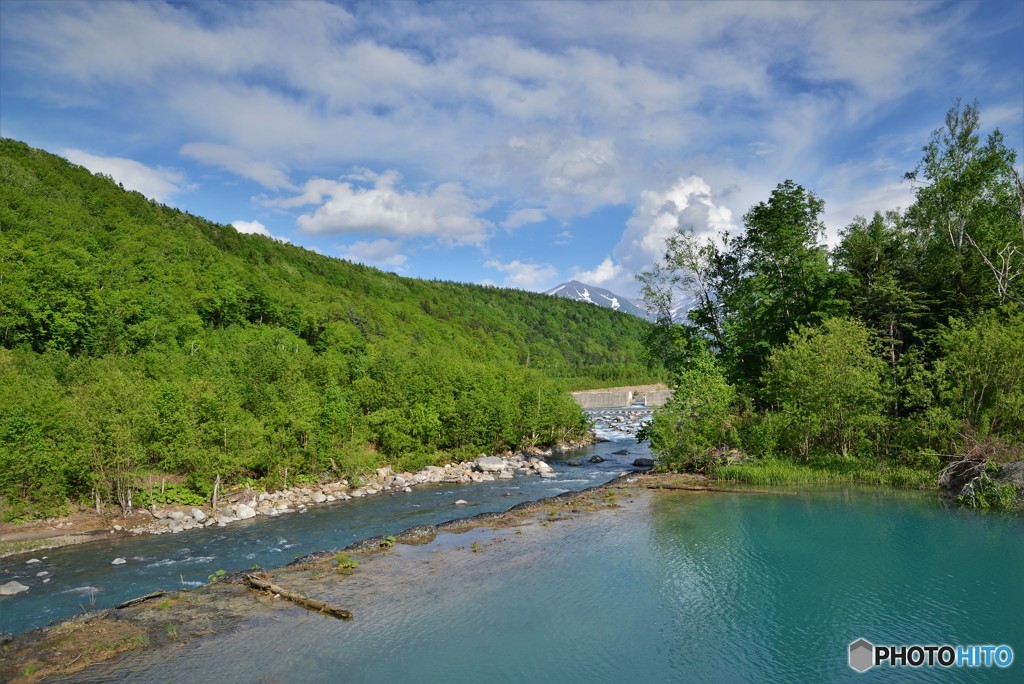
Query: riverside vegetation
x,y
894,355
147,354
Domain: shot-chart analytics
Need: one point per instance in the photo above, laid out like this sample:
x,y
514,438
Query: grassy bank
x,y
826,471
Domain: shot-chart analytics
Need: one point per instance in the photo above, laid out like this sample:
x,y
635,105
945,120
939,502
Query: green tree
x,y
981,372
828,381
969,210
884,286
698,418
755,289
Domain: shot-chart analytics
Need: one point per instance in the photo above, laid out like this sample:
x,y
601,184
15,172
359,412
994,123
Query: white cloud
x,y
381,252
257,228
156,183
251,227
687,203
559,108
238,161
445,213
525,276
605,272
570,175
522,217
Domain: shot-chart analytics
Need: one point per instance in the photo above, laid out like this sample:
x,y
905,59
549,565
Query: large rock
x,y
434,473
198,515
244,511
596,459
118,561
12,588
175,515
490,464
542,467
643,463
574,462
319,497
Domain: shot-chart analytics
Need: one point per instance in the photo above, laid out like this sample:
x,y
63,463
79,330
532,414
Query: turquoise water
x,y
674,587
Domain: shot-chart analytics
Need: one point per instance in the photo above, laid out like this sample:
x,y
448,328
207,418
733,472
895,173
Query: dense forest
x,y
137,339
900,347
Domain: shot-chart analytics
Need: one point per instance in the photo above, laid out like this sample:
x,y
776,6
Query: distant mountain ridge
x,y
581,292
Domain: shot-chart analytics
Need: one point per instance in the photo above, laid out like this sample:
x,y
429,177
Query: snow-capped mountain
x,y
599,296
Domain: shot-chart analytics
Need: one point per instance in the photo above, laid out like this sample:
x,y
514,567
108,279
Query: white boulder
x,y
244,512
12,588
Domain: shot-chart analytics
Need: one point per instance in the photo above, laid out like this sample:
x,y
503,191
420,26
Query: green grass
x,y
345,563
827,471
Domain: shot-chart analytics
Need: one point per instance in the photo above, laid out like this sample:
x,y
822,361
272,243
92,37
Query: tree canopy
x,y
900,343
137,341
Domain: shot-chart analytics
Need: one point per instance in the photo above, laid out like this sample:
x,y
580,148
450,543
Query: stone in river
x,y
32,561
118,561
596,459
490,464
244,512
12,588
461,502
644,463
575,462
621,452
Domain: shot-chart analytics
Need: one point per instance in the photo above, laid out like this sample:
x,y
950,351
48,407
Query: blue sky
x,y
518,143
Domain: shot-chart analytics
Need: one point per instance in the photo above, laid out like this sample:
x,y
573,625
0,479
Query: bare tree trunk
x,y
216,489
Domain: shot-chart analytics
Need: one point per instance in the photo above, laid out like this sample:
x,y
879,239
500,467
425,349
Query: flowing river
x,y
81,578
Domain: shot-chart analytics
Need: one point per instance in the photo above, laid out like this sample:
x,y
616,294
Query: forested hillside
x,y
902,346
137,338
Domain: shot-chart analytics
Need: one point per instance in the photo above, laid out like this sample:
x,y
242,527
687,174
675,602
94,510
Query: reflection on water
x,y
677,587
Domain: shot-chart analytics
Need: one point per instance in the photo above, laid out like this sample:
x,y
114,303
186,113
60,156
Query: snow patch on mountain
x,y
581,292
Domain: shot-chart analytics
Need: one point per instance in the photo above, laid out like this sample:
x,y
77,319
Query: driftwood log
x,y
140,599
304,601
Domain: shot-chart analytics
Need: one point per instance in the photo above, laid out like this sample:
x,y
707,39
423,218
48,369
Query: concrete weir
x,y
620,397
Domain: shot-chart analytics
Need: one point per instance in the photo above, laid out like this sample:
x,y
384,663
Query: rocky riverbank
x,y
250,503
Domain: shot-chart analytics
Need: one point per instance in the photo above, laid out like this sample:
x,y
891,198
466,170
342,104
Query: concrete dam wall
x,y
621,397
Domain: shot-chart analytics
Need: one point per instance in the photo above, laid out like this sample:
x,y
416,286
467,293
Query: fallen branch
x,y
140,599
304,601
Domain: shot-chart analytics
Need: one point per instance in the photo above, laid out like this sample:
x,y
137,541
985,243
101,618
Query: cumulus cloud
x,y
255,228
687,203
156,183
445,213
238,161
524,275
605,272
383,253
